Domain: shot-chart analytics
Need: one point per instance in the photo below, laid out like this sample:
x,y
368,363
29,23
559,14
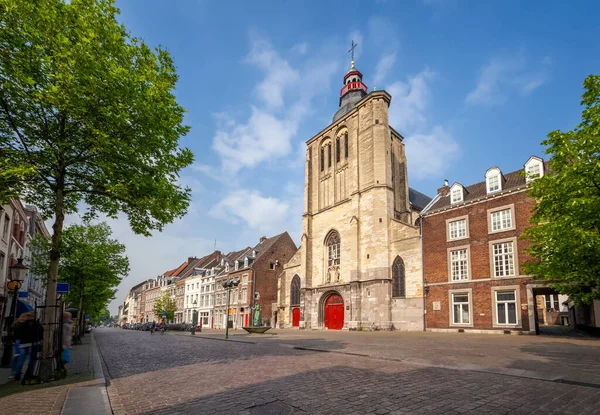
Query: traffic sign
x,y
62,287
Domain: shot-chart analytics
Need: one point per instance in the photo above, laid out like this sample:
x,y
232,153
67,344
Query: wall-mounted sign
x,y
437,306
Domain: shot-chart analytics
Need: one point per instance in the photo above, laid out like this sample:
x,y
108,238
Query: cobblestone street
x,y
179,374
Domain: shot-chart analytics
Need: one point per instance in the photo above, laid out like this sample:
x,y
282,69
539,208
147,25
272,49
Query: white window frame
x,y
504,253
494,293
456,195
501,220
492,211
533,162
469,293
493,173
459,256
458,219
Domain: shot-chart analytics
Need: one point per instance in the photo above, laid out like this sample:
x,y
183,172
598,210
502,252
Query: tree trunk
x,y
46,372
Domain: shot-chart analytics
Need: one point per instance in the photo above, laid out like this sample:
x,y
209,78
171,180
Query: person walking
x,y
28,331
67,337
152,327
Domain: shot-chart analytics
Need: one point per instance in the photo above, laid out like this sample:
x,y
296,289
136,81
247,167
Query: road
x,y
181,374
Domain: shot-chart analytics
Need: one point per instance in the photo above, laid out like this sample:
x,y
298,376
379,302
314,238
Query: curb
x,y
92,399
196,336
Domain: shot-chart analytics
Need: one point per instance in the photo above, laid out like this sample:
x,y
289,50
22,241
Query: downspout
x,y
423,275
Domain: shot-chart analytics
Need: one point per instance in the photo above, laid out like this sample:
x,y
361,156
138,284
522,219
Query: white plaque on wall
x,y
436,306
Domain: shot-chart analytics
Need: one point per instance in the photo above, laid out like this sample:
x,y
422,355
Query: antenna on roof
x,y
215,247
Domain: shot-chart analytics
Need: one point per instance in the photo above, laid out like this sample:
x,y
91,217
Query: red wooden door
x,y
296,317
334,312
246,321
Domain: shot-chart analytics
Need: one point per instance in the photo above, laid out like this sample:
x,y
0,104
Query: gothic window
x,y
333,257
398,279
346,144
295,291
329,155
322,158
337,150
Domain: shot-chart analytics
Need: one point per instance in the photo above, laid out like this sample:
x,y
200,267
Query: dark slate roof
x,y
418,199
510,181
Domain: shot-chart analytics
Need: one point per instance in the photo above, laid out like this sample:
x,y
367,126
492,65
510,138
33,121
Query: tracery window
x,y
398,278
333,257
295,291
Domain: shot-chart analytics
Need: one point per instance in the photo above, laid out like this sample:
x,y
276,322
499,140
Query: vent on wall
x,y
461,330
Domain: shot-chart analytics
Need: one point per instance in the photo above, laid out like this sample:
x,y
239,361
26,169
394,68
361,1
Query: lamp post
x,y
228,285
16,277
194,318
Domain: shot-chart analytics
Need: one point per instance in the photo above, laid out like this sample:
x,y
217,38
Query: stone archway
x,y
331,311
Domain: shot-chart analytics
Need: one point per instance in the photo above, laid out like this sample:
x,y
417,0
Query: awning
x,y
23,307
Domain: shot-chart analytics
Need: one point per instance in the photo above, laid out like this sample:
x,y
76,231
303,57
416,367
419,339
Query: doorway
x,y
334,312
296,317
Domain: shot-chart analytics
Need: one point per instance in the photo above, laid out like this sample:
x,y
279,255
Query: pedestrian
x,y
152,327
28,331
67,336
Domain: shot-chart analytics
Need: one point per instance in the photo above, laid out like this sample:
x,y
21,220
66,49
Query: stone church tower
x,y
359,264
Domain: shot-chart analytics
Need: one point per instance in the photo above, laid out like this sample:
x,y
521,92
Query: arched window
x,y
322,158
346,144
333,256
398,280
337,150
295,291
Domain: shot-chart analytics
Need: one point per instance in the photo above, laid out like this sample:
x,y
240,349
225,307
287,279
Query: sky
x,y
474,85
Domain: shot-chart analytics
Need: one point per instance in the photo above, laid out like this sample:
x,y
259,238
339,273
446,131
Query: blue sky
x,y
474,84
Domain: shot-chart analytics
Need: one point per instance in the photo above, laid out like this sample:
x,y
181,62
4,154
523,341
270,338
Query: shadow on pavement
x,y
345,390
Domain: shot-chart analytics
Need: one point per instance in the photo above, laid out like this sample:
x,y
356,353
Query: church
x,y
359,266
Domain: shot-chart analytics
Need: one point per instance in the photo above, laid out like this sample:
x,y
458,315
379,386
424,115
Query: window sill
x,y
501,230
459,281
460,325
458,239
508,326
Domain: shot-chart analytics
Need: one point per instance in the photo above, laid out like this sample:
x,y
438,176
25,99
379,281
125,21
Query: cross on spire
x,y
354,45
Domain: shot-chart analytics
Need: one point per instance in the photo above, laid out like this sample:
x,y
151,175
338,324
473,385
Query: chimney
x,y
444,190
262,239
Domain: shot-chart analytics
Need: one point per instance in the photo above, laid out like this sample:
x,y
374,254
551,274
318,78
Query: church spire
x,y
353,90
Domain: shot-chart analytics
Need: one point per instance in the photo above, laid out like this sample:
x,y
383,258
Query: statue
x,y
256,308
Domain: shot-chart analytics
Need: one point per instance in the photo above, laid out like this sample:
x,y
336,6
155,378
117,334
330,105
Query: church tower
x,y
359,264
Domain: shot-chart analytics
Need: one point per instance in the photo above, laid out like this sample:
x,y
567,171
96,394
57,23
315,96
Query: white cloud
x,y
409,100
263,136
504,75
285,101
278,73
383,67
430,149
300,49
430,154
268,215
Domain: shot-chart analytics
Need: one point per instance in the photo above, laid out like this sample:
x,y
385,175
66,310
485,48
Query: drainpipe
x,y
423,275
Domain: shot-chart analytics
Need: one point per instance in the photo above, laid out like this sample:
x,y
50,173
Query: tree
x,y
91,262
87,118
165,304
566,236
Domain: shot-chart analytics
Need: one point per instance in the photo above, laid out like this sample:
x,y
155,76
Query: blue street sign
x,y
164,314
23,294
62,287
87,316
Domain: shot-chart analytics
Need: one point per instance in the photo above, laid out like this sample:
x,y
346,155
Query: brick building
x,y
257,269
473,256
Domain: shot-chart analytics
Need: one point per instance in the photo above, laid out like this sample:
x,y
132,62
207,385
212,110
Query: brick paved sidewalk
x,y
49,398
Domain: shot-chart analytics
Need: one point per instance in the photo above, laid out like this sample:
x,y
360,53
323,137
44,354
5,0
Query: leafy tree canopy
x,y
566,235
165,304
92,263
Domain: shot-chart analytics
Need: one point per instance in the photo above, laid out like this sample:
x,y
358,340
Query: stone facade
x,y
489,281
356,192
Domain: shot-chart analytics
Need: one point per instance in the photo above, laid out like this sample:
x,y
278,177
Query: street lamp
x,y
228,285
194,318
16,276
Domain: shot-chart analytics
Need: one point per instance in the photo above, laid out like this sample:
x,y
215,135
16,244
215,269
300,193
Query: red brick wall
x,y
435,259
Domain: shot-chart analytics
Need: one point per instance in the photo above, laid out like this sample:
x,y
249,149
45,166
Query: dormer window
x,y
253,254
456,193
237,265
534,168
246,262
493,180
226,267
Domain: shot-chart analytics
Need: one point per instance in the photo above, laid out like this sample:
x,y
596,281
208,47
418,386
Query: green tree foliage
x,y
165,304
566,235
91,262
87,118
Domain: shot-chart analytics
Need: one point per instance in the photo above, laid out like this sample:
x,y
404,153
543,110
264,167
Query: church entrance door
x,y
334,312
296,317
